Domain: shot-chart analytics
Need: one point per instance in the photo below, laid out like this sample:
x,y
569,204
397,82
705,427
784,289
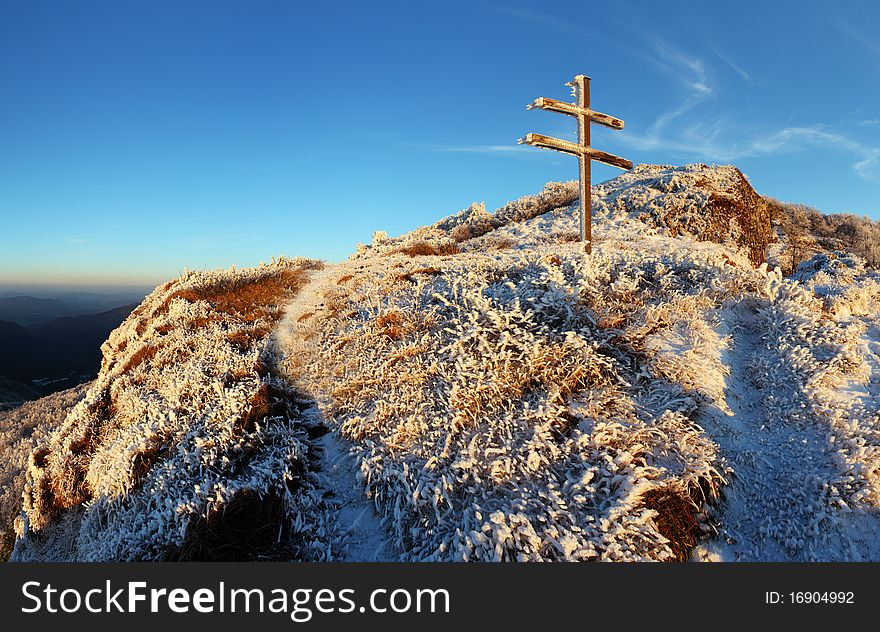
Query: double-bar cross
x,y
585,154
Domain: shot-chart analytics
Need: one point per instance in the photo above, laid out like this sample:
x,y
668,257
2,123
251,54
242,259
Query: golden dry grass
x,y
502,243
676,520
422,249
567,237
410,276
391,325
267,401
397,325
261,406
144,354
334,306
249,299
146,457
245,339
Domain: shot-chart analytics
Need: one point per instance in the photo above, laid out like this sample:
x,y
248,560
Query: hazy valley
x,y
51,344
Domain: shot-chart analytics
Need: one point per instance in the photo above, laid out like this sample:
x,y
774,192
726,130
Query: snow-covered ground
x,y
481,389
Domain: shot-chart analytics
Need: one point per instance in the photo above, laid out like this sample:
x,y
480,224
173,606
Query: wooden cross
x,y
580,110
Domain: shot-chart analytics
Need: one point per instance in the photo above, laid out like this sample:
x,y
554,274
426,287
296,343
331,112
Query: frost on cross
x,y
585,154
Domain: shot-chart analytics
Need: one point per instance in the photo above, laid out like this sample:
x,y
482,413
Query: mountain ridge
x,y
502,395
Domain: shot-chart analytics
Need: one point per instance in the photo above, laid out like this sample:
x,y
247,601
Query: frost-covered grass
x,y
504,397
527,402
822,341
13,394
22,429
444,236
522,406
824,334
185,422
802,426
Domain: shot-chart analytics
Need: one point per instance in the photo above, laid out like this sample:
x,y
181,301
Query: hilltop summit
x,y
705,203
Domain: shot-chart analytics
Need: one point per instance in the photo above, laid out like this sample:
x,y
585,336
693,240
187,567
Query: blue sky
x,y
140,138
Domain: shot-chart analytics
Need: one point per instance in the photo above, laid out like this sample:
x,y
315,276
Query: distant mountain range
x,y
37,308
30,310
46,357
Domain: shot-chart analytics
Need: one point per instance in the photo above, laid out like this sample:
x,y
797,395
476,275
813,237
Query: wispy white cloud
x,y
866,165
542,18
720,137
75,241
725,141
867,41
689,70
742,73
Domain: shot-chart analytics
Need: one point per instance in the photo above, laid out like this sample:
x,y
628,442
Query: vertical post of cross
x,y
582,88
585,116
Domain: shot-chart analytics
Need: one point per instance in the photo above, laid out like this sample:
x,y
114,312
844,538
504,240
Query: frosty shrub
x,y
804,231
